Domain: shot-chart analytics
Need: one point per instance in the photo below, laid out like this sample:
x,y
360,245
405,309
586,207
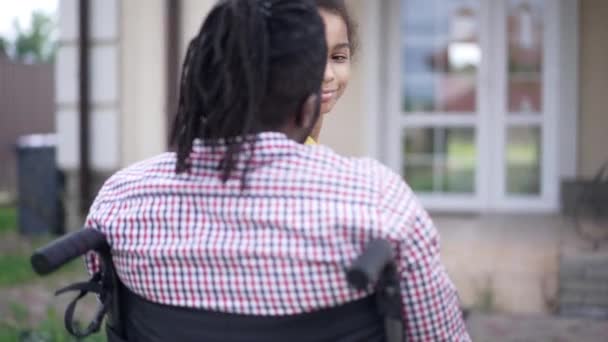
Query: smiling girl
x,y
340,34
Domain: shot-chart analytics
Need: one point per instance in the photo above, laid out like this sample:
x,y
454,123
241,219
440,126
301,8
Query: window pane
x,y
419,177
419,95
460,159
419,154
440,159
441,55
523,160
419,17
457,93
525,36
419,141
525,94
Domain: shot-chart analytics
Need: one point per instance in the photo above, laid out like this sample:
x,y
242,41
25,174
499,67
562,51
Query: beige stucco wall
x,y
143,123
593,124
143,65
193,14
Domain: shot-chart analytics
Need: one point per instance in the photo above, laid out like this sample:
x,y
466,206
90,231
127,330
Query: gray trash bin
x,y
39,186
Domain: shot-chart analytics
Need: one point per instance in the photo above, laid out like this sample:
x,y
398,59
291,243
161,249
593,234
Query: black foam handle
x,y
368,267
49,258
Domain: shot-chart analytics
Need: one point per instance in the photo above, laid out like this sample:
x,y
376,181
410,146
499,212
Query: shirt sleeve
x,y
430,305
99,217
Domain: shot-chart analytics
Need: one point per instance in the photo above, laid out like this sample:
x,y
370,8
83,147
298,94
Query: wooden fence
x,y
26,107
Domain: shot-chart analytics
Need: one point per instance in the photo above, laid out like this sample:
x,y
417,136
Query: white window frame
x,y
490,195
547,121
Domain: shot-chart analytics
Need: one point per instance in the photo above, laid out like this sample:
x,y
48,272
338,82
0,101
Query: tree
x,y
4,45
35,45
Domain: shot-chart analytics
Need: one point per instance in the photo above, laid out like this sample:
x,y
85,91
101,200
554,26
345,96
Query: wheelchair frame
x,y
374,267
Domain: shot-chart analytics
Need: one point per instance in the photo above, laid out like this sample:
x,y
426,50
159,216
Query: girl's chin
x,y
327,107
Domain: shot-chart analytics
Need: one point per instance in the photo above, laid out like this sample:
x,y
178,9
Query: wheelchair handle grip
x,y
368,267
49,258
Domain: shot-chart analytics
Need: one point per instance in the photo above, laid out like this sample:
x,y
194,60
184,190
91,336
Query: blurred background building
x,y
484,106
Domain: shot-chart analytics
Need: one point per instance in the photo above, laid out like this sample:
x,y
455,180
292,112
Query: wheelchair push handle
x,y
368,267
49,258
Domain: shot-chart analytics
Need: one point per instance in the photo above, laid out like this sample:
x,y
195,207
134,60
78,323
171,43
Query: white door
x,y
470,119
525,121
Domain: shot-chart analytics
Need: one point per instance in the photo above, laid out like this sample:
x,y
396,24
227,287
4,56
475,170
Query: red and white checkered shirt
x,y
280,246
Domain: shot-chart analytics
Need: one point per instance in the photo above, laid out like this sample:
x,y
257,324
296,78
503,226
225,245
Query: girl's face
x,y
337,70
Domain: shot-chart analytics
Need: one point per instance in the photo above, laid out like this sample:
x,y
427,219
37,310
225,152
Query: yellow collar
x,y
310,141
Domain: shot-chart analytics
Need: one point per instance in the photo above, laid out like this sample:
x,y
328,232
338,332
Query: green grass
x,y
15,267
8,219
17,270
49,330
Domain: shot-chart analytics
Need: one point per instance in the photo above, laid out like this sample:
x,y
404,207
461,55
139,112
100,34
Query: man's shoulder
x,y
362,165
356,170
131,175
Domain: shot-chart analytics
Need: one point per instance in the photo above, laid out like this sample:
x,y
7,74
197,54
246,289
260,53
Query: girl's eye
x,y
340,58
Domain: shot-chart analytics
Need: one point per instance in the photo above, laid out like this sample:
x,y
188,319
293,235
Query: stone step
x,y
583,285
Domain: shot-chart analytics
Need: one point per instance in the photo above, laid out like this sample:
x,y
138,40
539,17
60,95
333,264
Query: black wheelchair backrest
x,y
374,269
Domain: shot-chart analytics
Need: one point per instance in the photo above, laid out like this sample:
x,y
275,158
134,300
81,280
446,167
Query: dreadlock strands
x,y
251,65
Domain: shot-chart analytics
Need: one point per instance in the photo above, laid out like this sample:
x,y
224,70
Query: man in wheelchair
x,y
244,233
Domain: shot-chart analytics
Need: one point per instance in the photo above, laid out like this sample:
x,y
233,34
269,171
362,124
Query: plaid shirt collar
x,y
267,146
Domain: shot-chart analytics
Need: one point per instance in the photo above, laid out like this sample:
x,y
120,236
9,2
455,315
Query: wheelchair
x,y
129,317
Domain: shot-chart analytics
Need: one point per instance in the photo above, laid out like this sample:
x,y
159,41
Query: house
x,y
485,106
